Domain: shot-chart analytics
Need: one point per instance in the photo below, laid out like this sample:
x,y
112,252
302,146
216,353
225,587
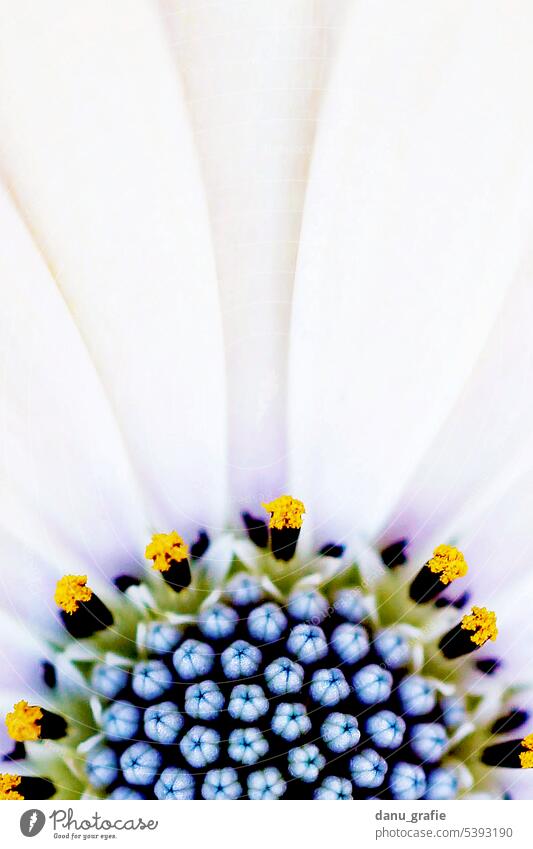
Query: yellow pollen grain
x,y
527,742
23,722
7,787
70,590
285,512
526,760
448,563
482,623
165,548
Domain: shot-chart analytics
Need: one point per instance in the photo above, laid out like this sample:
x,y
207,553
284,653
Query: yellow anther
x,y
166,548
526,760
482,623
70,590
23,722
7,786
527,742
448,563
285,512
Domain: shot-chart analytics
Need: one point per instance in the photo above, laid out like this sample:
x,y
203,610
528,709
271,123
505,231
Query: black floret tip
x,y
425,586
90,617
457,642
395,554
178,575
257,530
17,753
488,665
53,726
49,674
199,546
31,787
510,722
459,603
505,754
124,582
283,542
332,549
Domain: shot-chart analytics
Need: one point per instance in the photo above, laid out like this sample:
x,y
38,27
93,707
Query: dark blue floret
x,y
108,681
121,721
140,764
174,784
162,723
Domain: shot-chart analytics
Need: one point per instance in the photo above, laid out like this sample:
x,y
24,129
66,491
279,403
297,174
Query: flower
x,y
282,690
132,211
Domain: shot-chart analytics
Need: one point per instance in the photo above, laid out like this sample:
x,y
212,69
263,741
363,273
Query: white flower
x,y
274,248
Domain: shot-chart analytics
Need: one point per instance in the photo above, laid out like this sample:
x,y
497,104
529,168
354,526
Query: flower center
x,y
312,681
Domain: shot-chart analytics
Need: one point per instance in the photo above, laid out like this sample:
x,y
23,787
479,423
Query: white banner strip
x,y
267,825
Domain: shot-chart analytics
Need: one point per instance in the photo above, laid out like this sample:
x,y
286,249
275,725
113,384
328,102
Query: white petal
x,y
417,216
7,700
21,656
497,543
66,487
20,671
254,73
520,784
28,580
27,584
485,443
98,151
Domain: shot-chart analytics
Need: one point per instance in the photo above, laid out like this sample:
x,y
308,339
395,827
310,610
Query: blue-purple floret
x,y
264,701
